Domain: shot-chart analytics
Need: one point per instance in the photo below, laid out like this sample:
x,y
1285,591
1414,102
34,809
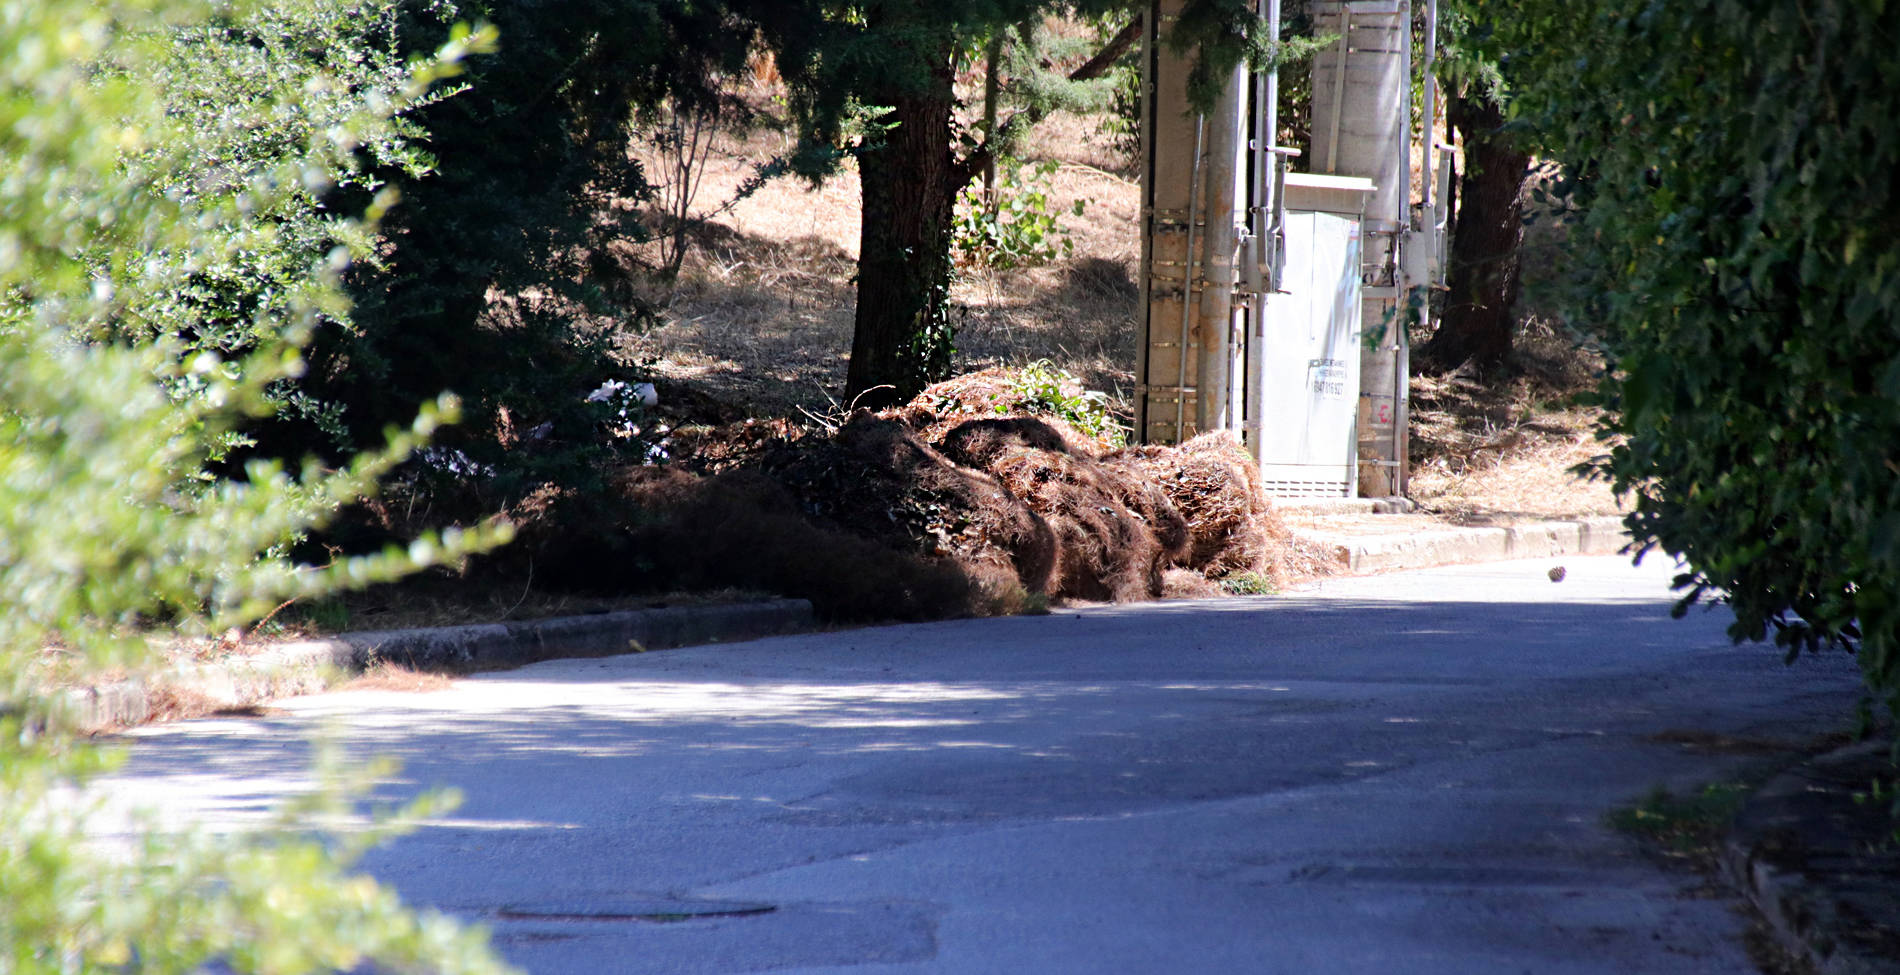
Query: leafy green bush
x,y
1249,584
235,80
1043,388
1732,164
499,278
1021,229
98,538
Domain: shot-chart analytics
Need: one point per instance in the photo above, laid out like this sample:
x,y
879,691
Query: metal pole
x,y
1431,109
1142,392
1187,289
1214,322
1339,86
1265,201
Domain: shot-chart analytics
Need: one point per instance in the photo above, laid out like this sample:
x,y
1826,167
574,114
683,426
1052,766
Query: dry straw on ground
x,y
958,502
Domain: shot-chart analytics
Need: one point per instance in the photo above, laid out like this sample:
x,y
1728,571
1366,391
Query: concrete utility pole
x,y
1192,196
1174,148
1362,123
1224,347
1220,245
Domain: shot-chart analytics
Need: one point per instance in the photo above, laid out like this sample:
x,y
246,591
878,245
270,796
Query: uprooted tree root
x,y
939,508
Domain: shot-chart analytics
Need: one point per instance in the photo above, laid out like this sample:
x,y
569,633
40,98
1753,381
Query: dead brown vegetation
x,y
1213,482
942,507
1503,449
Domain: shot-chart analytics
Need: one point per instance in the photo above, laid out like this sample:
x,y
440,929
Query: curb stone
x,y
1347,506
1793,853
312,665
307,666
1597,535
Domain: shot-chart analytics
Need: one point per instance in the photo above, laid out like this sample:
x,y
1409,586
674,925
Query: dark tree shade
x,y
1482,273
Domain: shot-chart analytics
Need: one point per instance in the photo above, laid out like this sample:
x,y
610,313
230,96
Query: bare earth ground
x,y
762,320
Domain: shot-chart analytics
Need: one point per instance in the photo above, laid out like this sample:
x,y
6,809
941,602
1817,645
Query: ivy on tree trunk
x,y
903,335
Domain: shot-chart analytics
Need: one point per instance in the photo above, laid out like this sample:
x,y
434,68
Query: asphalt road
x,y
1397,774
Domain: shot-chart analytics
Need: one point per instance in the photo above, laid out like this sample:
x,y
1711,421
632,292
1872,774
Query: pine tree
x,y
876,78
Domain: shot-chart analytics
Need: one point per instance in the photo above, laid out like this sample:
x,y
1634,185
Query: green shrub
x,y
109,523
1249,584
1732,167
500,278
1021,228
257,166
1043,388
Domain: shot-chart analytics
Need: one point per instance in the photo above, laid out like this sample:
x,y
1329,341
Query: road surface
x,y
1397,774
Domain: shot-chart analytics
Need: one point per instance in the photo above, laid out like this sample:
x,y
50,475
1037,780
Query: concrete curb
x,y
1347,506
311,665
1598,535
1784,837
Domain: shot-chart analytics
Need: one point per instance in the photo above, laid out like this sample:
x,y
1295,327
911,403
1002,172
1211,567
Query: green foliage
x,y
234,87
1732,164
1468,61
1884,793
1019,228
1040,387
497,278
1249,584
1122,122
1224,34
109,524
1689,826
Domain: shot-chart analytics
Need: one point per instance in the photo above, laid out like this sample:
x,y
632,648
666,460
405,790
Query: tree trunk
x,y
910,181
1483,269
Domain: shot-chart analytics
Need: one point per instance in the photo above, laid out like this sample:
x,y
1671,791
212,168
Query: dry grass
x,y
386,676
761,315
1500,453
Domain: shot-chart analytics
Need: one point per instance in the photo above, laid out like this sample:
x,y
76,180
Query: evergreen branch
x,y
1013,128
1112,52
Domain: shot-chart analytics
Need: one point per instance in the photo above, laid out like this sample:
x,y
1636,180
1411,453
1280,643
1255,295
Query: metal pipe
x,y
1187,285
1401,307
1431,109
1151,17
1339,86
1214,320
1266,168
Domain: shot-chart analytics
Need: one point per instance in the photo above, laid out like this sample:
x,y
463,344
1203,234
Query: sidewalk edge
x,y
310,665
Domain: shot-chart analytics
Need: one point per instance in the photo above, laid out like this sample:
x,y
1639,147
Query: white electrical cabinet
x,y
1310,394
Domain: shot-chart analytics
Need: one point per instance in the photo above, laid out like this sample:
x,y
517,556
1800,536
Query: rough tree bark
x,y
902,338
1478,318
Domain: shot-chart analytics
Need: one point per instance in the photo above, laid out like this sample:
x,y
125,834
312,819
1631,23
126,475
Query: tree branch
x,y
980,158
1105,59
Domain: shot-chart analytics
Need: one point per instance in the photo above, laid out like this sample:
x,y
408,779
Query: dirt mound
x,y
1115,531
744,529
876,478
976,443
705,448
989,394
1215,485
945,507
